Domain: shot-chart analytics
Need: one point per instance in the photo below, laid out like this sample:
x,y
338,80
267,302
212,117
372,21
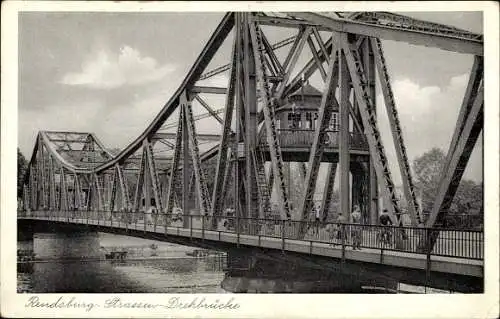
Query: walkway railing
x,y
305,138
467,244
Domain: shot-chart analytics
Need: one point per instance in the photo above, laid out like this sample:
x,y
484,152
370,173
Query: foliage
x,y
22,166
427,172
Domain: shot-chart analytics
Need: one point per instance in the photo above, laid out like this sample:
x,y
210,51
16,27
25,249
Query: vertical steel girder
x,y
376,147
185,165
202,190
123,187
98,192
222,156
42,172
77,193
397,133
303,171
52,184
252,197
369,69
237,105
269,105
226,183
91,191
262,185
344,136
325,112
140,182
153,175
146,183
63,197
112,196
169,204
25,197
33,187
328,191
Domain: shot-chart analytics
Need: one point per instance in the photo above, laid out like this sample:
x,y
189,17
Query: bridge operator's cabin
x,y
297,120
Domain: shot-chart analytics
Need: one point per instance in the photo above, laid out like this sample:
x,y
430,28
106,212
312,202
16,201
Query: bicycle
x,y
384,236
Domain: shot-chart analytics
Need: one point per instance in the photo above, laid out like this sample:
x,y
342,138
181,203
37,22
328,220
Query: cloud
x,y
116,126
428,116
105,70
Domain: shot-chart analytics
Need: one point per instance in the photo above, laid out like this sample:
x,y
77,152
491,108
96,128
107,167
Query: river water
x,y
170,271
166,268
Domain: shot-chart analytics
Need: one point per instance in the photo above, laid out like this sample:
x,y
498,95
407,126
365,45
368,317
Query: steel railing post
x,y
191,227
343,240
203,227
282,234
428,259
238,230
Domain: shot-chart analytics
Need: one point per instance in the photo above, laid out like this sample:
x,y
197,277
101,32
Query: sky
x,y
111,73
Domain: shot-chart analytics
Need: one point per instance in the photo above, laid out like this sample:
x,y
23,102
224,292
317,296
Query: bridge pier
x,y
25,240
52,241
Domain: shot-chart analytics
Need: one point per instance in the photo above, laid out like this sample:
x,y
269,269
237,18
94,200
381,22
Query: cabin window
x,y
334,122
294,120
309,121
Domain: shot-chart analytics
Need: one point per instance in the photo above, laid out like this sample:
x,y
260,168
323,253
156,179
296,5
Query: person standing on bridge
x,y
356,228
332,229
341,231
154,215
316,221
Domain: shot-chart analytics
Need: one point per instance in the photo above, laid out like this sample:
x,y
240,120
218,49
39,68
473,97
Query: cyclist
x,y
385,233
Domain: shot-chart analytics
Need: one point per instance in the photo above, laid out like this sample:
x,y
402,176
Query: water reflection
x,y
170,271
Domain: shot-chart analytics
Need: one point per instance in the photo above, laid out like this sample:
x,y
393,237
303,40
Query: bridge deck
x,y
408,260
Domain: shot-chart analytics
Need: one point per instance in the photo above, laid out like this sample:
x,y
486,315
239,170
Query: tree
x,y
427,172
22,166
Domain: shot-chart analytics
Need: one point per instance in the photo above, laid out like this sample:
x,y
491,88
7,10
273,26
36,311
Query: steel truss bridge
x,y
242,175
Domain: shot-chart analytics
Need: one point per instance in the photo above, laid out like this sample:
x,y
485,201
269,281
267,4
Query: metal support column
x,y
369,68
344,158
252,200
146,186
186,172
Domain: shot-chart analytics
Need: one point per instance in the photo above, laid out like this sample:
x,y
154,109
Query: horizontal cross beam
x,y
208,89
416,37
207,137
